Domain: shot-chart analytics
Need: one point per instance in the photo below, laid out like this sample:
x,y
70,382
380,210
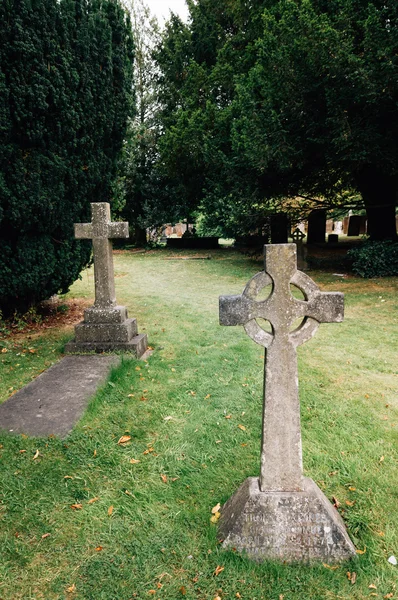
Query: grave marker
x,y
106,326
282,515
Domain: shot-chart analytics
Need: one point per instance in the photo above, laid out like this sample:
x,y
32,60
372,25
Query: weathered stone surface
x,y
137,346
105,326
281,453
116,314
287,526
56,399
106,332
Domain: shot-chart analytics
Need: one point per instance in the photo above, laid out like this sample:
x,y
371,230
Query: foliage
x,y
160,531
375,259
65,88
283,98
137,178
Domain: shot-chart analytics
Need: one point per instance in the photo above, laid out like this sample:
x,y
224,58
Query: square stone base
x,y
284,526
137,346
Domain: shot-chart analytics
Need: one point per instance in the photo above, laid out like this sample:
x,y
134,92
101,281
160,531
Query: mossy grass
x,y
157,541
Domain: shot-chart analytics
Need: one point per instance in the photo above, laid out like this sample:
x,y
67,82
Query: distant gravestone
x,y
356,225
106,325
282,515
298,237
279,225
316,226
329,225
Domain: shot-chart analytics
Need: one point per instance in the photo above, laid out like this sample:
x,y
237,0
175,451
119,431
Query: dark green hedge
x,y
375,259
65,94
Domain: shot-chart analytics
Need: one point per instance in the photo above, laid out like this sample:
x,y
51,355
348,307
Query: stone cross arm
x,y
101,226
281,308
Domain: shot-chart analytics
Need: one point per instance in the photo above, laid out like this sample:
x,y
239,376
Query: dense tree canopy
x,y
65,90
264,99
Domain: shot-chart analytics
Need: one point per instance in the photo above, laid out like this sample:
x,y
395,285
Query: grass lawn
x,y
89,518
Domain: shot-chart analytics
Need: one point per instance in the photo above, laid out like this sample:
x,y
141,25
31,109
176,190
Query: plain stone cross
x,y
101,230
281,454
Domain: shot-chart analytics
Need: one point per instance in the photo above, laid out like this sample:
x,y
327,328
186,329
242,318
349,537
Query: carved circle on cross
x,y
307,328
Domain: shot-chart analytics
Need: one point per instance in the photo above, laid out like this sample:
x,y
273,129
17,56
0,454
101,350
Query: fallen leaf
x,y
381,460
332,568
95,453
361,551
183,590
45,535
68,477
218,570
167,418
151,592
281,596
380,533
71,589
353,578
124,439
130,395
173,370
93,500
352,489
98,548
76,506
110,510
217,598
164,478
207,396
390,595
22,451
237,595
242,427
372,586
4,350
350,503
336,503
36,455
216,508
134,461
227,416
215,517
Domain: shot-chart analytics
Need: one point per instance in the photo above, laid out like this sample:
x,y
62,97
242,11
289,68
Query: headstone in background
x,y
329,225
282,515
106,325
279,224
333,238
345,225
316,226
338,227
298,237
356,225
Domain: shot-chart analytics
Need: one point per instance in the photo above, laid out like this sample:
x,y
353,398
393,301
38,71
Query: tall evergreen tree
x,y
65,90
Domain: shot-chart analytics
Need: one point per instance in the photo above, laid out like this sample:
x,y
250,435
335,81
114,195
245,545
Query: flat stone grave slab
x,y
56,399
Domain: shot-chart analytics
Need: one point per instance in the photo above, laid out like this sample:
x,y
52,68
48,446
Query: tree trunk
x,y
379,193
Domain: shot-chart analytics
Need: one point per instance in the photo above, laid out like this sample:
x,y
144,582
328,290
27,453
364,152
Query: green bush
x,y
375,259
65,95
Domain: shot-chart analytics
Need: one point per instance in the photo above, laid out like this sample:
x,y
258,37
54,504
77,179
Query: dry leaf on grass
x,y
124,439
361,551
164,478
98,549
330,567
151,592
215,517
36,455
218,570
335,502
71,589
183,590
68,477
215,508
242,427
110,510
45,535
372,586
93,500
349,503
76,506
134,461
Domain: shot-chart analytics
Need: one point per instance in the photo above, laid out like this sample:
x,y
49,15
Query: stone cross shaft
x,y
101,230
281,454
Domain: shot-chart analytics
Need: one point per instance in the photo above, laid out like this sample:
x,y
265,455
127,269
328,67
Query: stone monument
x,y
106,325
282,515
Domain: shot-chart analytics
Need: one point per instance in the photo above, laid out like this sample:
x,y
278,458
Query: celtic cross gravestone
x,y
282,515
106,325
